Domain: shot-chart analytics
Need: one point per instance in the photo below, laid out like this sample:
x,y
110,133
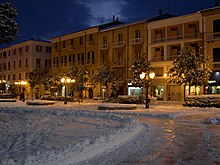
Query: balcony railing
x,y
71,47
90,61
118,63
163,58
216,65
89,43
191,36
103,46
213,36
136,41
119,44
63,64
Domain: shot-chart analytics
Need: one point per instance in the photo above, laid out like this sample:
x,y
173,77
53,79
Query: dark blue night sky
x,y
50,18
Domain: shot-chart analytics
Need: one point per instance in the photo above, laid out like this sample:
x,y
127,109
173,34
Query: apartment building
x,y
160,38
16,61
211,26
76,50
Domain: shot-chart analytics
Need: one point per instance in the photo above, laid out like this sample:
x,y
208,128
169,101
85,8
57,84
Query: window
x,y
63,60
72,59
14,76
81,59
4,54
48,49
137,34
14,65
90,57
55,62
19,76
26,62
9,53
19,63
47,63
38,62
9,77
20,51
216,26
80,40
120,38
26,48
4,66
38,48
14,51
64,44
158,71
216,54
72,42
90,39
56,46
9,66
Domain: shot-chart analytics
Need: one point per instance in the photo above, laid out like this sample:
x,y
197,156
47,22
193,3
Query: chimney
x,y
113,19
216,3
160,11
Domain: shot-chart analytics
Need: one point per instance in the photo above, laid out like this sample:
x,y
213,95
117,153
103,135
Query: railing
x,y
213,36
89,43
71,64
63,64
163,58
103,46
119,44
80,62
71,47
177,37
136,41
118,63
90,61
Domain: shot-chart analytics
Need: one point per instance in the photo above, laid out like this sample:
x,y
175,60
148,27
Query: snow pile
x,y
212,120
76,151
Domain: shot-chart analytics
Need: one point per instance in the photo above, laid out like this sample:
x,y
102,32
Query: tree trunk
x,y
189,88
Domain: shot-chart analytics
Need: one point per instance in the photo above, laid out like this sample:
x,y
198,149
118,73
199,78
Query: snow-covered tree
x,y
109,77
8,24
138,66
190,68
81,76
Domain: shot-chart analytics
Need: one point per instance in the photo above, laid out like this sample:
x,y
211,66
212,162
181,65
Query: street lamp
x,y
22,83
66,80
147,78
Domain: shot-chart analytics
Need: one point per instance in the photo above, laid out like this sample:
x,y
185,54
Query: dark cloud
x,y
51,18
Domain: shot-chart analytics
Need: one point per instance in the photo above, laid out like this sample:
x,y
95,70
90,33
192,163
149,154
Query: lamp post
x,y
66,80
22,83
147,78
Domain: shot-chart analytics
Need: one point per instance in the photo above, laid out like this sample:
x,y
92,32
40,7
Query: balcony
x,y
63,64
90,61
213,36
118,63
136,41
119,44
216,65
190,36
163,58
70,47
103,46
89,44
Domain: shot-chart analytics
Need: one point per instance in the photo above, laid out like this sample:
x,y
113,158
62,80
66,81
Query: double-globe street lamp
x,y
66,80
147,78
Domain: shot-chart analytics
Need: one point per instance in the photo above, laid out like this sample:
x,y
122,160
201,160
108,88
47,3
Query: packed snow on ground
x,y
67,134
51,135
